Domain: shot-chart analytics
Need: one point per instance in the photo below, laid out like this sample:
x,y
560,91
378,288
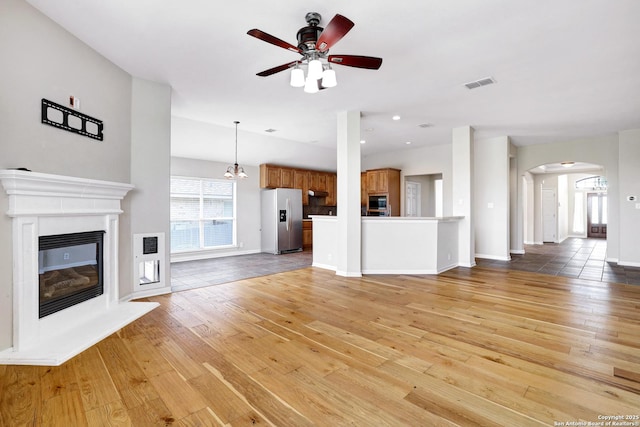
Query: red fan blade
x,y
358,61
273,40
277,69
333,32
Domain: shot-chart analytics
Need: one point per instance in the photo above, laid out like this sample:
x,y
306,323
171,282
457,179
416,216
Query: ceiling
x,y
563,69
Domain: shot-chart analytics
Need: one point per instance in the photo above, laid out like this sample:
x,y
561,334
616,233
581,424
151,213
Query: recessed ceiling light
x,y
425,125
270,130
396,117
408,142
362,141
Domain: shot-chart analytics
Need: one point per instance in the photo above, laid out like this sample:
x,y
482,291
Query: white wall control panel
x,y
148,261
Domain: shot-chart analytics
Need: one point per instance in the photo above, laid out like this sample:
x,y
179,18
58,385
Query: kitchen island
x,y
393,245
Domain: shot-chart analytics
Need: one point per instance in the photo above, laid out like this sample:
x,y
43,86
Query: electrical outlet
x,y
66,255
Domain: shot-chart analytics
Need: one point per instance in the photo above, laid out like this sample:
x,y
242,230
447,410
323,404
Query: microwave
x,y
377,202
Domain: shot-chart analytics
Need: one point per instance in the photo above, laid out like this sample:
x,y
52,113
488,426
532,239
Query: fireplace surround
x,y
52,205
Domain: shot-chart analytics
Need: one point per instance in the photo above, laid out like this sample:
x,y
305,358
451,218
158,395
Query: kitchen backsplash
x,y
316,206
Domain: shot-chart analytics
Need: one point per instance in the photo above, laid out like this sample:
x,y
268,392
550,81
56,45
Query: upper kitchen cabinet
x,y
363,189
386,183
332,184
318,181
301,181
276,177
382,180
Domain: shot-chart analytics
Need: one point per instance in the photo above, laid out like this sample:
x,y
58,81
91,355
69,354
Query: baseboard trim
x,y
196,256
494,257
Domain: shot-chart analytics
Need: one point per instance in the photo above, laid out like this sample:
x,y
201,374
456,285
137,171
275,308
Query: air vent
x,y
270,130
481,82
425,125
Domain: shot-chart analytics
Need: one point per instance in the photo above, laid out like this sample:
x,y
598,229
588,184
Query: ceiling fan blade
x,y
277,69
333,32
358,61
259,34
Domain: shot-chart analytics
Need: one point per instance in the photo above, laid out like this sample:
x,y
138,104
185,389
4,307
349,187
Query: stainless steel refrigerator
x,y
281,220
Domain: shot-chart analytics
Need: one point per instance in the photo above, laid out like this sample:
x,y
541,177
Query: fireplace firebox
x,y
70,270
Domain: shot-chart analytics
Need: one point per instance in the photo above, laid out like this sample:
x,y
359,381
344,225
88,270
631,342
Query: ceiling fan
x,y
314,43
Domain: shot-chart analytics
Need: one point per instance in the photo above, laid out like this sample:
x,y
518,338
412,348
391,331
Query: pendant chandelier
x,y
235,171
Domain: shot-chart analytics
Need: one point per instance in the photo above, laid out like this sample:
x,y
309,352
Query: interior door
x,y
597,215
412,196
549,223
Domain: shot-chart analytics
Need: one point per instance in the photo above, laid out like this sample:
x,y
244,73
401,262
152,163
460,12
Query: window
x,y
202,213
578,213
592,183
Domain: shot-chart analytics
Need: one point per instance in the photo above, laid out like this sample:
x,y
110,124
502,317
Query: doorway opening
x,y
597,215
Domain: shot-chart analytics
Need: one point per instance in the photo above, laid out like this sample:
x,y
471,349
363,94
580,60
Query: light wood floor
x,y
306,347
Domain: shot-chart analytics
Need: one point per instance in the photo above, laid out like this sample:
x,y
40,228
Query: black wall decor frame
x,y
63,123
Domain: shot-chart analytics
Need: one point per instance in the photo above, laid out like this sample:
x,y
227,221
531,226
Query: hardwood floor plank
x,y
20,399
112,414
467,347
177,394
63,410
96,385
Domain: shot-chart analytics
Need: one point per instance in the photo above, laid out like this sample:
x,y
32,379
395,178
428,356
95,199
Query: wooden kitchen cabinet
x,y
364,195
332,182
286,178
385,182
276,176
318,180
272,176
301,181
382,180
307,234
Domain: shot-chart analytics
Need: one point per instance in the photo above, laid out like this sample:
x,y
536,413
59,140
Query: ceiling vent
x,y
425,125
270,130
481,82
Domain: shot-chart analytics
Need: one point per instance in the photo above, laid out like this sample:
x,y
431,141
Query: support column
x,y
349,222
462,190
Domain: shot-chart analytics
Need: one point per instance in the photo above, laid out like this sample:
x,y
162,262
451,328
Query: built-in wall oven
x,y
378,205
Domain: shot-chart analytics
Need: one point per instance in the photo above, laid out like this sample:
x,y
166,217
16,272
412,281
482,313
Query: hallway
x,y
575,257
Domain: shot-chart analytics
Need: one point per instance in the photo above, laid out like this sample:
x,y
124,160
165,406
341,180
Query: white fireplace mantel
x,y
44,204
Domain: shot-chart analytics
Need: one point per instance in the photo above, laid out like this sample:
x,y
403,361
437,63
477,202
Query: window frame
x,y
201,220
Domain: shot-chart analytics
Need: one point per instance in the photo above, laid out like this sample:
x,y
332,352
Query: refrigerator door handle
x,y
288,215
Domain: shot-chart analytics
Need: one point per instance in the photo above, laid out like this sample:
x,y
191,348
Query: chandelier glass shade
x,y
235,171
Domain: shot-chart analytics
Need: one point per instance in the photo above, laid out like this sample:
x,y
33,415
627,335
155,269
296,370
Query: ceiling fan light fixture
x,y
297,77
329,78
311,85
315,69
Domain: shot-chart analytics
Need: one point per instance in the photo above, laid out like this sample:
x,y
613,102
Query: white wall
x,y
629,212
491,207
248,204
563,210
419,161
41,60
148,202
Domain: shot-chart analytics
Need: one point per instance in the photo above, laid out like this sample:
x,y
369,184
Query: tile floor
x,y
582,258
196,274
